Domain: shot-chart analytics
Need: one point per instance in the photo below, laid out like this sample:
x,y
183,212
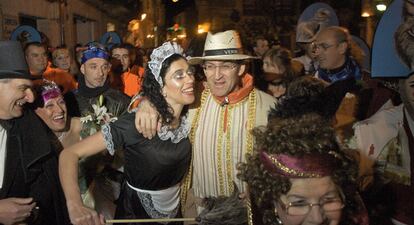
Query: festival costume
x,y
80,103
387,138
350,69
62,78
31,169
221,137
132,80
153,168
82,99
29,162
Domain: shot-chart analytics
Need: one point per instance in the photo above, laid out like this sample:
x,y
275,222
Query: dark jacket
x,y
78,104
31,169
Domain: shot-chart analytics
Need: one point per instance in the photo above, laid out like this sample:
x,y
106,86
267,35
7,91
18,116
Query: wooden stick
x,y
150,220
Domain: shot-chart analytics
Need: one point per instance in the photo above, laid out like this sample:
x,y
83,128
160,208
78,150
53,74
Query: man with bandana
x,y
93,83
93,88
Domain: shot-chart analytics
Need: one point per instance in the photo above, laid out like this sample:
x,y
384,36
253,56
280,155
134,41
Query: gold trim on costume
x,y
219,148
229,161
251,117
291,171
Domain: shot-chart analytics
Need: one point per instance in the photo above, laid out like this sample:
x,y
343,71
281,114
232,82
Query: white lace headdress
x,y
159,55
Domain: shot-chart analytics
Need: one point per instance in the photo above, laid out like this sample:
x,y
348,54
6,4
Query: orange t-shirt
x,y
132,81
62,78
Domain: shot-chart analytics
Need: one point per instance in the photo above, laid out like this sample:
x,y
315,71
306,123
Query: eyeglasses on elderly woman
x,y
333,202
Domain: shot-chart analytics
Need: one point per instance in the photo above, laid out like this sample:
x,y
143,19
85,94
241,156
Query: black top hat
x,y
12,61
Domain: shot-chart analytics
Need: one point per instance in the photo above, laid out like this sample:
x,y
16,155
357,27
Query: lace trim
x,y
148,206
178,134
106,131
159,55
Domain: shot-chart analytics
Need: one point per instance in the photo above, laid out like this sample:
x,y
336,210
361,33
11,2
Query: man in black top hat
x,y
29,187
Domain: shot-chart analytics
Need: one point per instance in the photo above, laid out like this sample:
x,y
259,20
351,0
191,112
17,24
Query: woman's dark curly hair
x,y
296,136
152,90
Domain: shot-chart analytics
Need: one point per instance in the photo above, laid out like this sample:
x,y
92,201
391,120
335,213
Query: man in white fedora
x,y
222,119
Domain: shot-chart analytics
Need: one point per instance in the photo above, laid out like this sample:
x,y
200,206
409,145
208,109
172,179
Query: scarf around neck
x,y
349,70
240,94
91,92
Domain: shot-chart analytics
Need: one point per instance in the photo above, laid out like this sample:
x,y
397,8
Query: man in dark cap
x,y
29,185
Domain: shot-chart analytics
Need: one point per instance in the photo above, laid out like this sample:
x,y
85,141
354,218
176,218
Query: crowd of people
x,y
208,134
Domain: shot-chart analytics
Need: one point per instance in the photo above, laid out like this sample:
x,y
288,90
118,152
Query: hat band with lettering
x,y
228,51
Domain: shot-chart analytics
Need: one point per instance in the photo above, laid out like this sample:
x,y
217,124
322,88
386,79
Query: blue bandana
x,y
349,70
94,52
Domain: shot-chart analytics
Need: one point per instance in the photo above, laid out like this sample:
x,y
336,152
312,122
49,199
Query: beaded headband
x,y
159,55
313,165
94,52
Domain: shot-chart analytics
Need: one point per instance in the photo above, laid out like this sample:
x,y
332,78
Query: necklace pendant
x,y
225,101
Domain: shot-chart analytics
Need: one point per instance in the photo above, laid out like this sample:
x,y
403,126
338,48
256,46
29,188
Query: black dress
x,y
149,164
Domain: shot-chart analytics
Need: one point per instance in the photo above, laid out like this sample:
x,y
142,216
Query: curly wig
x,y
153,91
297,136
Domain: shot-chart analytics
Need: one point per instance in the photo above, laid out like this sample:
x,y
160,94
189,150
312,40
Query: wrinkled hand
x,y
15,210
81,215
147,120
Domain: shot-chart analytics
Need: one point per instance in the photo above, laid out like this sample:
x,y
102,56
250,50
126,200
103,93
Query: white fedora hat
x,y
222,46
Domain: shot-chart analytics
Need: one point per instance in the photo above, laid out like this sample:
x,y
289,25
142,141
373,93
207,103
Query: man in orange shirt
x,y
132,75
36,57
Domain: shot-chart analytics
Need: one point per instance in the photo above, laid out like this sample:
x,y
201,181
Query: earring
x,y
164,94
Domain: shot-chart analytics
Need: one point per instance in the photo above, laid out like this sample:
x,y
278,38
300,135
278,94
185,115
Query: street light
x,y
143,16
365,14
381,7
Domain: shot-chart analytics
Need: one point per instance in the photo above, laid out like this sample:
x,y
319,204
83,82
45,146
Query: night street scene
x,y
210,112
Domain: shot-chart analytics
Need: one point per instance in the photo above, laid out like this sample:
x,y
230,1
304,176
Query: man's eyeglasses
x,y
303,208
211,68
321,46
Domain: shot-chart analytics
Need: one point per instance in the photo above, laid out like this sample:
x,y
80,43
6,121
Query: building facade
x,y
68,22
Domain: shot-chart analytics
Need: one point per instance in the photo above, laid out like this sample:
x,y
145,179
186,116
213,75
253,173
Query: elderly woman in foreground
x,y
299,175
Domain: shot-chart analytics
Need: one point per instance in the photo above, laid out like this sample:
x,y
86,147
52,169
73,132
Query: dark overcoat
x,y
31,169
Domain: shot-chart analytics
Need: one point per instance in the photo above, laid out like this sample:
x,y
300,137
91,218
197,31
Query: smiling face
x,y
223,77
54,113
178,83
61,59
310,190
14,93
96,71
